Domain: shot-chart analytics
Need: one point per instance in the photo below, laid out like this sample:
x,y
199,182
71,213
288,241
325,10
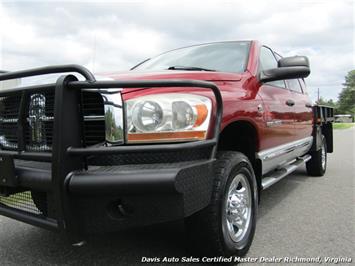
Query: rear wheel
x,y
226,227
317,165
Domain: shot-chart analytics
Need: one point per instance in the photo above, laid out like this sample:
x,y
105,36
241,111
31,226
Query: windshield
x,y
223,56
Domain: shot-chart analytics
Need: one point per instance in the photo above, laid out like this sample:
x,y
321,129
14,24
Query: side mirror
x,y
287,68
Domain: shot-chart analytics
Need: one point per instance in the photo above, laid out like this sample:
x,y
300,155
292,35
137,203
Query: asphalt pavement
x,y
299,217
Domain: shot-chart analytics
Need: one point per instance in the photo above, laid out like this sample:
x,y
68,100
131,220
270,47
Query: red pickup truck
x,y
195,133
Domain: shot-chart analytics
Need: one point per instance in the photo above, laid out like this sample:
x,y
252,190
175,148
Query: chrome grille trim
x,y
49,119
114,130
94,118
8,120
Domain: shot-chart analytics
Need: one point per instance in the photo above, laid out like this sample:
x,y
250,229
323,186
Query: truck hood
x,y
172,74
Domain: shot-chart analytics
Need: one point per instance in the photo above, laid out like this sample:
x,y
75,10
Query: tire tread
x,y
314,165
203,231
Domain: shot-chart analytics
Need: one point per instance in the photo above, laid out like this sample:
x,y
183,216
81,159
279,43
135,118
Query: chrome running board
x,y
275,176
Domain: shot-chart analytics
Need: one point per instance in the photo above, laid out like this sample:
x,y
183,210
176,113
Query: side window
x,y
294,85
303,86
267,61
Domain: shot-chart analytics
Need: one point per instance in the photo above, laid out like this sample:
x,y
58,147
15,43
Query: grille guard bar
x,y
68,154
91,83
48,70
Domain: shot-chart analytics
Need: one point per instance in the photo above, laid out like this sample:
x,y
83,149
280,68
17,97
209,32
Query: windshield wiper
x,y
189,68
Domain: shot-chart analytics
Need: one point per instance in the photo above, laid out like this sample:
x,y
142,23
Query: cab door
x,y
303,114
278,108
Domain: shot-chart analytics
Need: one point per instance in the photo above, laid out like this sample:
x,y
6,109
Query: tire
x,y
317,165
209,231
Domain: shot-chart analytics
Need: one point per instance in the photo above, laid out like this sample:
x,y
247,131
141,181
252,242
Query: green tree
x,y
330,102
346,99
321,101
113,131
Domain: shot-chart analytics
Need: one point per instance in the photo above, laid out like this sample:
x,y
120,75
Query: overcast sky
x,y
114,36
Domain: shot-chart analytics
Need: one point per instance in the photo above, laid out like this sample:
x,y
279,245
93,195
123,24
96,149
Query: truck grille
x,y
9,112
38,125
94,121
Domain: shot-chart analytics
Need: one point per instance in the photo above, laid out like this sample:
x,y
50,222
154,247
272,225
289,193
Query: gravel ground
x,y
300,216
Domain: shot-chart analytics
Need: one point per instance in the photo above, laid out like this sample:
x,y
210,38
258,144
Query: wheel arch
x,y
242,136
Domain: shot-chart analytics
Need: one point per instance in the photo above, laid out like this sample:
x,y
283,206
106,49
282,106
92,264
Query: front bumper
x,y
67,192
109,198
125,196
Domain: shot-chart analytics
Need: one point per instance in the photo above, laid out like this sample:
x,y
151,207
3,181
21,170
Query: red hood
x,y
174,74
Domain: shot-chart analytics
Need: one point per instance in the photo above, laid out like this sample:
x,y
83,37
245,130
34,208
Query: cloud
x,y
112,36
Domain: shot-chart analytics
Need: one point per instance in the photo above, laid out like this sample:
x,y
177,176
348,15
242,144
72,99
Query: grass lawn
x,y
343,125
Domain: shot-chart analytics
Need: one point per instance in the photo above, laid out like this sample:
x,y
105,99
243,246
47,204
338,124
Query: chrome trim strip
x,y
277,157
271,153
94,118
274,123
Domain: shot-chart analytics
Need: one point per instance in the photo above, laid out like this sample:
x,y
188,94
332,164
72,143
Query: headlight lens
x,y
147,116
167,118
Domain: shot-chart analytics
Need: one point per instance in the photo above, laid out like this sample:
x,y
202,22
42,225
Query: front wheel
x,y
226,226
317,165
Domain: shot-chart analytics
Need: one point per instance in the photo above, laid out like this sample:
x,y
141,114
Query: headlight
x,y
170,117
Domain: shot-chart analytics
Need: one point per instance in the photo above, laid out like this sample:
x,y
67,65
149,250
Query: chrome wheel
x,y
238,207
324,156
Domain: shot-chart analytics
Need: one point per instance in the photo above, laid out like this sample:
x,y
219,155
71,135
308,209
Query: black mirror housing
x,y
293,61
288,68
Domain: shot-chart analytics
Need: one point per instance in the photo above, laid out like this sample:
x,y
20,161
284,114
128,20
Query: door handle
x,y
308,105
290,102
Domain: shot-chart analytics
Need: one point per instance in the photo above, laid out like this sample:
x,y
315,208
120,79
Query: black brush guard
x,y
68,153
